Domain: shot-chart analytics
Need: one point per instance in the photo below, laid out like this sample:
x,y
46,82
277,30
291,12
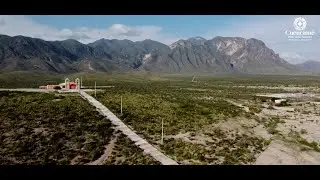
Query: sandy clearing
x,y
281,153
294,120
289,88
290,95
238,104
262,132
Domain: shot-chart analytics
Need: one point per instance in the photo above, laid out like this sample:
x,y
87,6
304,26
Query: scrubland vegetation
x,y
47,128
185,107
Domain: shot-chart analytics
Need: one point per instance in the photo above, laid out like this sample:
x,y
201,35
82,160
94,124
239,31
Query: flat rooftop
x,y
287,95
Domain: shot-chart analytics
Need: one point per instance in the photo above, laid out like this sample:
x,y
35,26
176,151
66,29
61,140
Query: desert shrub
x,y
312,144
270,107
239,154
126,152
144,110
272,130
303,148
271,124
255,109
305,112
257,118
297,138
37,130
303,131
205,111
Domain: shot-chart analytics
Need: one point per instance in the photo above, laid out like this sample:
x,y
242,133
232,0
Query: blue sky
x,y
167,29
184,24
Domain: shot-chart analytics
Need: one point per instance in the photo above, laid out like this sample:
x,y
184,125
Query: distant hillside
x,y
310,66
217,55
220,54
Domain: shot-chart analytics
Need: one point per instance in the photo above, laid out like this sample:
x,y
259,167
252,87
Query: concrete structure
x,y
51,86
46,90
275,99
279,102
141,143
77,83
67,85
28,90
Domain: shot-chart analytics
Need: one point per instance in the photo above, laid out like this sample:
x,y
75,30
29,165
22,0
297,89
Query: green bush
x,y
126,152
272,130
255,109
303,131
205,111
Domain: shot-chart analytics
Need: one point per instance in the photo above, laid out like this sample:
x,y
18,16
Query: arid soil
x,y
280,152
295,137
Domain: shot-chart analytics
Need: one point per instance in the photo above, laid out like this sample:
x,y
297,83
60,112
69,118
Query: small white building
x,y
279,101
67,85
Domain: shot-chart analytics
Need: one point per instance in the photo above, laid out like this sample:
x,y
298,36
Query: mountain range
x,y
310,66
217,55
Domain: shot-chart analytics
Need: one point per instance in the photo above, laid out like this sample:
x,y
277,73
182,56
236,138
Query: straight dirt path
x,y
28,90
141,143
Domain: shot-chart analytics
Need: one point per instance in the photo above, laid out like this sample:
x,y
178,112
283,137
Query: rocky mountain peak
x,y
180,42
197,40
255,41
196,54
228,45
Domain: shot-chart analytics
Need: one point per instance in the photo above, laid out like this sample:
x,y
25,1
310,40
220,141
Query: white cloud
x,y
271,30
123,30
293,57
22,25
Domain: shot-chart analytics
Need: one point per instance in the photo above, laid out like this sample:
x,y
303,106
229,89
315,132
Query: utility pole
x,y
95,89
121,105
162,131
81,83
193,79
